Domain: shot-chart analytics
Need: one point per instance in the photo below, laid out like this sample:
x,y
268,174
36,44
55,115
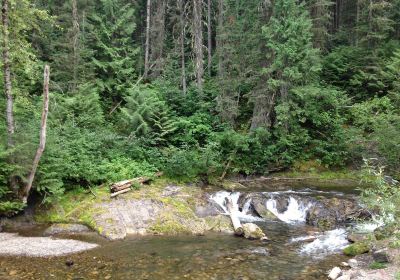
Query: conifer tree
x,y
292,60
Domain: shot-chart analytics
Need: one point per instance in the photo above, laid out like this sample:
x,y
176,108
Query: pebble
x,y
344,264
13,272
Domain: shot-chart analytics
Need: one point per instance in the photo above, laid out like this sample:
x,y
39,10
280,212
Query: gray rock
x,y
353,263
208,210
252,231
344,277
382,256
171,191
65,229
357,237
335,273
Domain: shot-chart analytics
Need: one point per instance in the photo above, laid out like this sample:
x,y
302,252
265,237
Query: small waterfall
x,y
243,215
296,211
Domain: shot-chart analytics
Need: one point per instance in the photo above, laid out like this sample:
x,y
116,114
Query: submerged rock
x,y
65,229
252,231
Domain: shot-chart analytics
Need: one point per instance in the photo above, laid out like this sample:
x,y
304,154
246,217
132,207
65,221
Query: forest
x,y
196,89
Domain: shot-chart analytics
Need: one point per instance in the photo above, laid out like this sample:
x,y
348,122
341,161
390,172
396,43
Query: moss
x,y
168,226
357,249
377,265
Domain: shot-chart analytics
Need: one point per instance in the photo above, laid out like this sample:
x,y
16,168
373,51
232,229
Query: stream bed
x,y
290,254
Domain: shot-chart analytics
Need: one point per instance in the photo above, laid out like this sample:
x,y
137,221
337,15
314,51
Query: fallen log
x,y
126,185
233,213
120,192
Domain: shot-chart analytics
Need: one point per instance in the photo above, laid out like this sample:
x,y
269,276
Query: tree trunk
x,y
237,226
42,139
198,42
75,41
147,44
8,90
182,42
209,34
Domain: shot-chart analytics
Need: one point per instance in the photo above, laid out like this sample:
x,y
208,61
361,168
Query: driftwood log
x,y
126,185
233,213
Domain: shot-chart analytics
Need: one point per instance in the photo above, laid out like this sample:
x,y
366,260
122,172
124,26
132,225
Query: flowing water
x,y
290,254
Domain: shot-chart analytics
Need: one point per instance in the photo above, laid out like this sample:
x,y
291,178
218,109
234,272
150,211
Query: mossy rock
x,y
357,249
383,232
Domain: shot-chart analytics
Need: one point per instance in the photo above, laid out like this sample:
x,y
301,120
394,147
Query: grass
x,y
377,265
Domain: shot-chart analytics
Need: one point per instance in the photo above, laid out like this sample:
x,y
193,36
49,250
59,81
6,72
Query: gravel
x,y
12,244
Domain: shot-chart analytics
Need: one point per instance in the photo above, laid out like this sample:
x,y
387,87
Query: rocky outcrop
x,y
327,213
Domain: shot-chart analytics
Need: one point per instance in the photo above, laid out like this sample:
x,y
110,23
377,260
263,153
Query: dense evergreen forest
x,y
195,89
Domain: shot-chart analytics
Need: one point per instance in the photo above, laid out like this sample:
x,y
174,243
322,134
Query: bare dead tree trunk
x,y
157,38
209,31
182,42
8,89
147,44
42,139
75,41
198,42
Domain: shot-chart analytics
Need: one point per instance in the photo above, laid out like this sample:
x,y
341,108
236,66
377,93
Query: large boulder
x,y
327,213
252,231
357,249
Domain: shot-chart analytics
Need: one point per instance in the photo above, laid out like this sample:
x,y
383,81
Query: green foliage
x,y
10,208
119,169
146,115
377,265
269,98
383,196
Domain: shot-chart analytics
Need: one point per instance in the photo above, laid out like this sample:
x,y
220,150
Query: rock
x,y
256,251
357,249
252,231
282,203
65,229
357,237
326,213
171,191
69,263
208,210
382,256
353,263
344,264
335,273
261,210
344,277
383,232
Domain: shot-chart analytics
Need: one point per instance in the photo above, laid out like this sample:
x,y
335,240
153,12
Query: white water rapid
x,y
243,215
295,213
